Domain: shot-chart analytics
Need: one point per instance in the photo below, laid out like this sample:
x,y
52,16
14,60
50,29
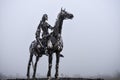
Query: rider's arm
x,y
49,26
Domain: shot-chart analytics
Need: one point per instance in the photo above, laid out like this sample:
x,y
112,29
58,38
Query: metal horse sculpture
x,y
55,45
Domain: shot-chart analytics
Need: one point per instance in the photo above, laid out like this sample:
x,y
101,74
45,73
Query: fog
x,y
91,39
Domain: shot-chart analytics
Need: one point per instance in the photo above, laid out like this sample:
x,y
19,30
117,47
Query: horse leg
x,y
57,65
29,63
49,66
37,58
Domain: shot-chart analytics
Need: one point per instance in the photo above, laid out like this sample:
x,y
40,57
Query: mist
x,y
91,39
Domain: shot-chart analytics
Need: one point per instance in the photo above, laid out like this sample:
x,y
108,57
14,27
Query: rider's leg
x,y
45,45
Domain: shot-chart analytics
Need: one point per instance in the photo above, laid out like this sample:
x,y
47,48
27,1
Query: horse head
x,y
65,15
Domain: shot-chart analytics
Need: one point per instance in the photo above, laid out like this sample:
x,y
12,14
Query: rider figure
x,y
44,27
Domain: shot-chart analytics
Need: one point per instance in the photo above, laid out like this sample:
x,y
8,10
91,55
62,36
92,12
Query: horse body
x,y
54,45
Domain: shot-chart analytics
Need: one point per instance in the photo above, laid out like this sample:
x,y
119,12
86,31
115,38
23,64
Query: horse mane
x,y
57,20
55,31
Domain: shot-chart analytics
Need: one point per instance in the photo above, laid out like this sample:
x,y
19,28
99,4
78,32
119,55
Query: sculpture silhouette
x,y
54,45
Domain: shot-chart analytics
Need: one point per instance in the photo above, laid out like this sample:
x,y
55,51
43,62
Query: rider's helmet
x,y
45,17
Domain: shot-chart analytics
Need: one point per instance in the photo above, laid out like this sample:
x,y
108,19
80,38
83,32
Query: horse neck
x,y
58,26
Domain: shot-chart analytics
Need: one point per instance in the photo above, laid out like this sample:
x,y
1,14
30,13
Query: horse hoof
x,y
57,78
28,77
33,78
48,78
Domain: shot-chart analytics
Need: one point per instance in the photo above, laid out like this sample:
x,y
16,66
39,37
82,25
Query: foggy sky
x,y
91,39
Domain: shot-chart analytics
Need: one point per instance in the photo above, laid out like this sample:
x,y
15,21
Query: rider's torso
x,y
44,27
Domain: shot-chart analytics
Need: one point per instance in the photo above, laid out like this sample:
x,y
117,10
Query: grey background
x,y
91,39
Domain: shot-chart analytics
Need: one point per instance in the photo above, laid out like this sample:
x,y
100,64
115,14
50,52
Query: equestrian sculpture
x,y
53,44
